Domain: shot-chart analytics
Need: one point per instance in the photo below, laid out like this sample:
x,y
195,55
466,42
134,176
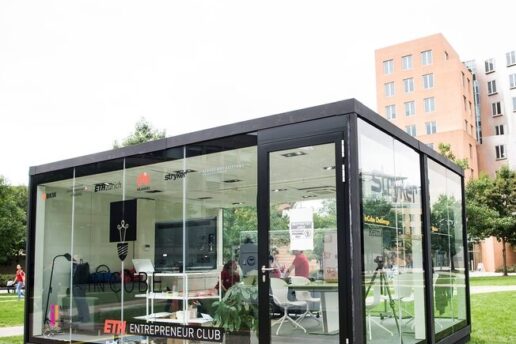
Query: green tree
x,y
445,150
444,215
13,220
144,132
491,205
244,219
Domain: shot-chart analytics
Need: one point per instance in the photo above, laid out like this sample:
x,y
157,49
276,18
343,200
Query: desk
x,y
329,304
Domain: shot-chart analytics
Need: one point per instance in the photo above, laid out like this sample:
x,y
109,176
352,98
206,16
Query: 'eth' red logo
x,y
143,179
114,326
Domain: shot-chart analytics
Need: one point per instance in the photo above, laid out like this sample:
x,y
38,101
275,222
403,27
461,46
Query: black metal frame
x,y
278,131
330,131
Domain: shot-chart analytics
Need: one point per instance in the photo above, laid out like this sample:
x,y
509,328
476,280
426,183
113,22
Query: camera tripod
x,y
384,284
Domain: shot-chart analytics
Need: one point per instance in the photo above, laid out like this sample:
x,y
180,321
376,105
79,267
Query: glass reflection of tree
x,y
442,219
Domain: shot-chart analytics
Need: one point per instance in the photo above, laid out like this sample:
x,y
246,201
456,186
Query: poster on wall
x,y
301,229
330,258
122,221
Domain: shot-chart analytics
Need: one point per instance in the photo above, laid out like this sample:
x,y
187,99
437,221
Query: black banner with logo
x,y
122,221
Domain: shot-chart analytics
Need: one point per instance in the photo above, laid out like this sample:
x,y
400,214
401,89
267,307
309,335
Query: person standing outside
x,y
20,281
299,265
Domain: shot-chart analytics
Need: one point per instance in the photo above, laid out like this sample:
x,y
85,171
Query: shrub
x,y
509,269
6,277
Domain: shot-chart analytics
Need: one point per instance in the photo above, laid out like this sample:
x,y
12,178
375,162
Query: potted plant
x,y
237,313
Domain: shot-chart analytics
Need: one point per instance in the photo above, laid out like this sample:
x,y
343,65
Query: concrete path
x,y
11,331
480,289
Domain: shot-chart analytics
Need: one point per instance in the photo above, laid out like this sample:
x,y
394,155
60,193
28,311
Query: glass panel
x,y
95,295
52,259
392,236
303,245
447,250
220,231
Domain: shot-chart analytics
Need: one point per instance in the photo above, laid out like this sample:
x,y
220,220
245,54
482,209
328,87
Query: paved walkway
x,y
11,331
480,289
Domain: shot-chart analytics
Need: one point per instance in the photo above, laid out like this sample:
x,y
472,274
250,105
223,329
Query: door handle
x,y
265,270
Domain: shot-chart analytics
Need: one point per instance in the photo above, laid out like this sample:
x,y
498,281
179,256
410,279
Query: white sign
x,y
301,229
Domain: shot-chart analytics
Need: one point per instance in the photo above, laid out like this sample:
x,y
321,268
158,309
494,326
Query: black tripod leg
x,y
371,282
391,302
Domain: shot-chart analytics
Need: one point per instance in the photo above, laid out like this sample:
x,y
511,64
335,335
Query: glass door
x,y
300,274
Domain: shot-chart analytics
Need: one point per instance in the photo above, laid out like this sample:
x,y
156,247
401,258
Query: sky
x,y
77,75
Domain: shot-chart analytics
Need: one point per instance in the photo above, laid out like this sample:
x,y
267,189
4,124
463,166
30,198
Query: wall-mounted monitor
x,y
200,249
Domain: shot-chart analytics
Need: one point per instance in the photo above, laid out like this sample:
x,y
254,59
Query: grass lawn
x,y
492,317
503,280
11,340
11,310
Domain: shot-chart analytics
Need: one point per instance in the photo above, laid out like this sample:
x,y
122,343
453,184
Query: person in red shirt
x,y
20,281
299,265
229,276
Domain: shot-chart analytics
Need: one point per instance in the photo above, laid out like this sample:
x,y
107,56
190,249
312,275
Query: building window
x,y
470,151
512,80
514,104
465,103
428,80
499,129
431,128
496,109
388,89
471,131
390,111
511,58
490,65
410,108
406,62
411,129
446,56
429,104
491,87
388,67
463,79
426,57
408,84
500,152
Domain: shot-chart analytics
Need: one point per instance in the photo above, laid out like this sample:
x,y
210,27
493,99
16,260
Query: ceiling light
x,y
279,190
328,168
184,171
293,154
237,203
232,181
309,196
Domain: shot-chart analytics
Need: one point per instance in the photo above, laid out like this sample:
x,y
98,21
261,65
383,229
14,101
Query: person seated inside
x,y
300,265
229,276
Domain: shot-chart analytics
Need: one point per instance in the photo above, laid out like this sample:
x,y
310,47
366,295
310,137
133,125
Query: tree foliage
x,y
491,208
143,132
445,214
445,150
13,220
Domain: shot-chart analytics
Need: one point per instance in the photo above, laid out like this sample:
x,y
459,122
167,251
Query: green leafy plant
x,y
238,309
